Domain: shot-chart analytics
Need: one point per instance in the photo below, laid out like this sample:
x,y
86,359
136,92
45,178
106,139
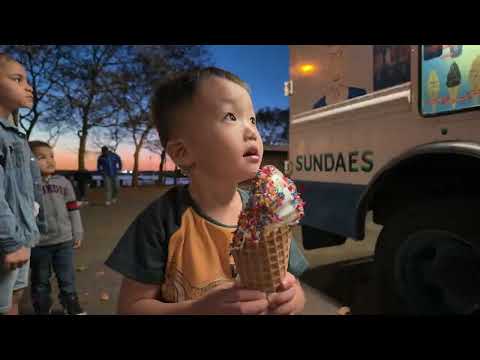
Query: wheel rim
x,y
438,272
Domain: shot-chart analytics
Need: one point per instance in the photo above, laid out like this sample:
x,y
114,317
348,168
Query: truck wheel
x,y
427,259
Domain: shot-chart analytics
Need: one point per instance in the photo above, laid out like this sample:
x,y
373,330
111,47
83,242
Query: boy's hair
x,y
37,144
176,91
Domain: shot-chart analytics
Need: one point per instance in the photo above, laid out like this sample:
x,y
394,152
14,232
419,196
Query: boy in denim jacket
x,y
20,188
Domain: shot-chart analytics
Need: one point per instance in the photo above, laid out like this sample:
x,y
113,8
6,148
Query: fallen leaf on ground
x,y
82,268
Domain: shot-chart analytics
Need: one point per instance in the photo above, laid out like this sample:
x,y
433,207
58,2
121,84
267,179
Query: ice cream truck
x,y
393,130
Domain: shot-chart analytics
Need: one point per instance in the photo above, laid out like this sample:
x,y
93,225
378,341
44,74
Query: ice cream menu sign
x,y
450,78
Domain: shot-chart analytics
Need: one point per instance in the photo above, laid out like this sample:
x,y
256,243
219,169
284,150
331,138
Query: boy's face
x,y
15,91
221,134
45,160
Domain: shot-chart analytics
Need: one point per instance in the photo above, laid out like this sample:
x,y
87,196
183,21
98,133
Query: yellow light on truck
x,y
307,68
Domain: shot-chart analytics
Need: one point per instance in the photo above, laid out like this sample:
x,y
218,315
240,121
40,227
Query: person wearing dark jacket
x,y
109,164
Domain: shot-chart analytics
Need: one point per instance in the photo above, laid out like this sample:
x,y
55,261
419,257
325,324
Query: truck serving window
x,y
449,79
391,65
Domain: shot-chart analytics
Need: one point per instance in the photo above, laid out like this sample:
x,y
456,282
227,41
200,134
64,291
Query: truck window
x,y
449,79
391,65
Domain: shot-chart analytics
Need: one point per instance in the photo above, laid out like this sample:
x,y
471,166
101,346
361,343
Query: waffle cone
x,y
263,264
453,93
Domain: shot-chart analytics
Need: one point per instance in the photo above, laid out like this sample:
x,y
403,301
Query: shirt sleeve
x,y
297,263
73,211
141,254
8,222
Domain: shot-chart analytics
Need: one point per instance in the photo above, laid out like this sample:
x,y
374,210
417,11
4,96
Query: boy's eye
x,y
253,120
230,116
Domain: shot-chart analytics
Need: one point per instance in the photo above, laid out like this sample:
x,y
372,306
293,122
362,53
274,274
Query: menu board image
x,y
450,78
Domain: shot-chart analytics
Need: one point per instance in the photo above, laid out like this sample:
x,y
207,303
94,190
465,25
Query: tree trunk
x,y
83,134
136,158
32,123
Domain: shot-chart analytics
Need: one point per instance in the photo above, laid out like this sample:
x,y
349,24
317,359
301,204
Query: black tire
x,y
427,259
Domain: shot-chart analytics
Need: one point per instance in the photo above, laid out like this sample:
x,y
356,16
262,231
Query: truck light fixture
x,y
307,69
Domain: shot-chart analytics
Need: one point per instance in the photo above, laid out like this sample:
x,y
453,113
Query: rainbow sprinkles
x,y
275,202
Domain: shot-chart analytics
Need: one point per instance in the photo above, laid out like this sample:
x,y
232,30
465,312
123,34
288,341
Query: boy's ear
x,y
179,153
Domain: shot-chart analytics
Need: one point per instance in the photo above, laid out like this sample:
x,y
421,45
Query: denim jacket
x,y
20,187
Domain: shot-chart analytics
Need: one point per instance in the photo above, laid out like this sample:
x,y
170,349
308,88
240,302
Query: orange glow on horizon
x,y
67,160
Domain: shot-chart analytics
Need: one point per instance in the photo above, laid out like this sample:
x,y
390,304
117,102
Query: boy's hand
x,y
232,300
77,244
288,299
16,259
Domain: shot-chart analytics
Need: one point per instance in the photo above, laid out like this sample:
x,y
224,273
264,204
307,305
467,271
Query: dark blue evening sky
x,y
263,67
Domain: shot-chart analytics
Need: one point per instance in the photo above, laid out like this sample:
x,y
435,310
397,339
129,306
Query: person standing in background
x,y
109,164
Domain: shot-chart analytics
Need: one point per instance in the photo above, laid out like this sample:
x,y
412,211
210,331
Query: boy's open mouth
x,y
252,154
251,151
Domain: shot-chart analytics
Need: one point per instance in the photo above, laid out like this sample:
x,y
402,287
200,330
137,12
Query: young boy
x,y
55,249
175,256
20,188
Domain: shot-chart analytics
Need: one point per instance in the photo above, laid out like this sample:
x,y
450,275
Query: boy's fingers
x,y
288,281
241,295
285,309
256,307
277,299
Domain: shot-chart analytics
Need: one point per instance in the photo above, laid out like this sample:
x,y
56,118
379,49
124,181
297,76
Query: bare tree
x,y
154,146
273,125
55,132
84,82
111,136
133,86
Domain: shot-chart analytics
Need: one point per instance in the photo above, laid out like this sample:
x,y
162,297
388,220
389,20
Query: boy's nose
x,y
249,133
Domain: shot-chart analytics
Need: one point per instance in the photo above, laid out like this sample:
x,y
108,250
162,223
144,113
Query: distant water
x,y
143,179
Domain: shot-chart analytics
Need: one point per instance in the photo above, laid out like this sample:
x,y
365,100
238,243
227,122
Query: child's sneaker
x,y
71,306
108,203
42,307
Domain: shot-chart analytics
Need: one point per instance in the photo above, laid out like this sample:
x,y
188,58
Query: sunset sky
x,y
263,67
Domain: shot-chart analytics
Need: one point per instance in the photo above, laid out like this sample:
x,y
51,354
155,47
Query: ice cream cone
x,y
263,264
474,79
454,79
433,89
453,93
